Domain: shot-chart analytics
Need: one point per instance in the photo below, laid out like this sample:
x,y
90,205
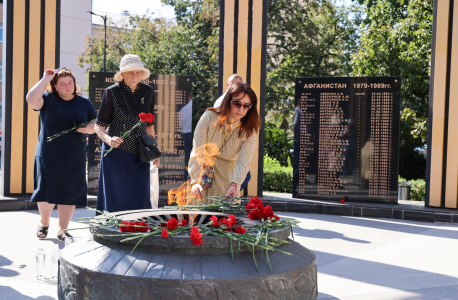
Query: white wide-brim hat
x,y
131,62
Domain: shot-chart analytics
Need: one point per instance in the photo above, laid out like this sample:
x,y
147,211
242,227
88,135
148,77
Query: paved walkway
x,y
357,258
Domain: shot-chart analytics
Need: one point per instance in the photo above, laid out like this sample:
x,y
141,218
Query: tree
x,y
396,41
165,48
305,38
200,18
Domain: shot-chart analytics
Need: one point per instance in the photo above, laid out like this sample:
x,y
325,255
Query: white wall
x,y
75,27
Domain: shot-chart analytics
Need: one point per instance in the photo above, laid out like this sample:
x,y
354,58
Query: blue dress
x,y
60,165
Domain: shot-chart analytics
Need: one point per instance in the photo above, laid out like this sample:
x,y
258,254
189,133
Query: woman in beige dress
x,y
225,138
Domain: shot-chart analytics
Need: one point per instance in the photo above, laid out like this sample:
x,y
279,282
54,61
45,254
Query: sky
x,y
139,7
136,7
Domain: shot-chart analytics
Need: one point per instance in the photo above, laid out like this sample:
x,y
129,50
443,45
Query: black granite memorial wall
x,y
173,113
346,138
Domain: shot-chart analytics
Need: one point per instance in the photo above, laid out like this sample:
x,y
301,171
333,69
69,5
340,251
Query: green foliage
x,y
277,178
401,180
396,41
305,38
418,190
201,20
187,48
278,143
271,164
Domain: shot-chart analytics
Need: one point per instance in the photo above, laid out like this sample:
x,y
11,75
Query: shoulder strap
x,y
128,107
127,104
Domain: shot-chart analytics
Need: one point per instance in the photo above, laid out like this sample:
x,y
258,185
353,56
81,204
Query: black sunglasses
x,y
239,104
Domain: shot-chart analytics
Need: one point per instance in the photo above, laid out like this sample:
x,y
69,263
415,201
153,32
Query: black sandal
x,y
42,231
64,235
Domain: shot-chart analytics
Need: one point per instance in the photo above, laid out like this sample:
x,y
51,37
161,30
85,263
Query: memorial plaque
x,y
346,138
172,111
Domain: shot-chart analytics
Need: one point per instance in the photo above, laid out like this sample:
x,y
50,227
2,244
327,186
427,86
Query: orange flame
x,y
204,155
178,195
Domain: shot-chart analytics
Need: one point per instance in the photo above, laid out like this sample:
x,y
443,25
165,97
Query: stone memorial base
x,y
97,267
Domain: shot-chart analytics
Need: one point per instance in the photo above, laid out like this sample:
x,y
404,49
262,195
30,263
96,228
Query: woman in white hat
x,y
124,179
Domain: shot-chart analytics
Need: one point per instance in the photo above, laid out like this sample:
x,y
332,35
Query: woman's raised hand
x,y
49,74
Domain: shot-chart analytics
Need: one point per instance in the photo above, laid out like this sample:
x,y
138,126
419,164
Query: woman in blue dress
x,y
60,165
124,181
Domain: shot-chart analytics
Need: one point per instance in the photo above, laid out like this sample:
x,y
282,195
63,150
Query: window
x,y
1,31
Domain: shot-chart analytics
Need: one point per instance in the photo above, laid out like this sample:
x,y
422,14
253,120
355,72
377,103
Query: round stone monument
x,y
99,266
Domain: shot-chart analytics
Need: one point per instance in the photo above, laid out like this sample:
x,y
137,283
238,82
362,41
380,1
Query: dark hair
x,y
250,122
64,72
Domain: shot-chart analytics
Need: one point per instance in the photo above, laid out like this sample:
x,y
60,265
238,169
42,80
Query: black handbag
x,y
147,145
147,148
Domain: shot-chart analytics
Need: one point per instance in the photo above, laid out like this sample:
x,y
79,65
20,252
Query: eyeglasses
x,y
238,104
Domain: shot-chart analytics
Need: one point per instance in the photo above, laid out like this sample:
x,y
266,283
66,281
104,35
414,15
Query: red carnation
x,y
123,227
240,230
131,226
184,222
196,236
233,220
172,224
149,118
143,116
215,221
143,229
226,222
253,203
268,212
164,233
276,217
255,214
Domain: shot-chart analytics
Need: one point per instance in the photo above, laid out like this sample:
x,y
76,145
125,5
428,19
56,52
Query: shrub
x,y
276,177
418,190
401,180
278,143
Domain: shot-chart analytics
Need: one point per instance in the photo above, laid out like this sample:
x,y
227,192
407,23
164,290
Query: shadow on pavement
x,y
10,293
326,234
7,272
393,225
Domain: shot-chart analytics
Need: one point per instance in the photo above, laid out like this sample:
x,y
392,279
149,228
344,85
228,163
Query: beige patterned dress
x,y
230,153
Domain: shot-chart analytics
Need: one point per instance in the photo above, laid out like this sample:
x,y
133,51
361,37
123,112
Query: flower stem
x,y
50,138
124,135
